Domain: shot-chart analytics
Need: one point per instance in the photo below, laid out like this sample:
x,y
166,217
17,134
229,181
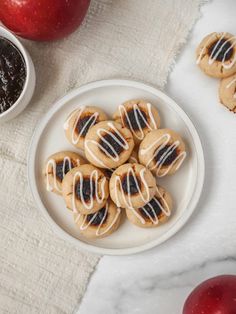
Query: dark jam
x,y
224,48
133,116
12,74
154,210
115,141
59,169
97,218
86,191
133,187
84,124
160,156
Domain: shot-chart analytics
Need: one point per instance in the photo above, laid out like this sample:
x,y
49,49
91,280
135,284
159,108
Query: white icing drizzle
x,y
53,164
93,177
230,84
85,225
159,164
100,133
128,201
75,137
213,59
155,220
136,109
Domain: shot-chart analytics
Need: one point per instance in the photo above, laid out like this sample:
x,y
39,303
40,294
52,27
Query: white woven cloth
x,y
40,273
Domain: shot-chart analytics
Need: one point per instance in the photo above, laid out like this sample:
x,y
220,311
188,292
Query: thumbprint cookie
x,y
100,224
108,144
139,116
57,166
162,151
227,92
132,186
80,121
85,189
154,213
216,55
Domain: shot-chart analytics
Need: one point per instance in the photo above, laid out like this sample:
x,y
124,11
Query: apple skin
x,y
43,20
213,296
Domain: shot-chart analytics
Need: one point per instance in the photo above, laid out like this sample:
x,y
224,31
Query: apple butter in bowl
x,y
12,74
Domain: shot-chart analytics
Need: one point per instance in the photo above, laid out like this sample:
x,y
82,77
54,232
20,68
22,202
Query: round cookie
x,y
162,151
85,189
216,55
139,116
154,213
80,121
108,144
57,166
132,186
100,224
227,92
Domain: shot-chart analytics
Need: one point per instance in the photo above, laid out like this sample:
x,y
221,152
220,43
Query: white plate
x,y
185,186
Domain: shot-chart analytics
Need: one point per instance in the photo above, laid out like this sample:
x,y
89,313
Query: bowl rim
x,y
92,248
13,39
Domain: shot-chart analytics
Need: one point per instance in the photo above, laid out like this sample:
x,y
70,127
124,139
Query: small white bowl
x,y
29,85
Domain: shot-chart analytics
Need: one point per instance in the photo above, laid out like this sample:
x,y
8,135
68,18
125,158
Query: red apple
x,y
213,296
43,19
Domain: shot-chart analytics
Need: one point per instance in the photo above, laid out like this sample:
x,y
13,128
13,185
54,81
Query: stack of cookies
x,y
123,159
216,56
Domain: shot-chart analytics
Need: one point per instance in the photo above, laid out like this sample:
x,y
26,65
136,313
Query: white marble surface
x,y
159,280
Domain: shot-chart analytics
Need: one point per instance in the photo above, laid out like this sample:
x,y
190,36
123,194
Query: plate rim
x,y
179,223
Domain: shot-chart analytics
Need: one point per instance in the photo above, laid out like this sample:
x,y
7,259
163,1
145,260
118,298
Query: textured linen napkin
x,y
136,39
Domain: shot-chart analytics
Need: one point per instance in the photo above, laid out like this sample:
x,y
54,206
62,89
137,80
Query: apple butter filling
x,y
130,184
112,143
97,218
12,74
166,155
85,189
221,50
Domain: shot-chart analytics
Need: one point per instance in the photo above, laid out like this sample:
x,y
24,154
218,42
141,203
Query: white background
x,y
159,280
